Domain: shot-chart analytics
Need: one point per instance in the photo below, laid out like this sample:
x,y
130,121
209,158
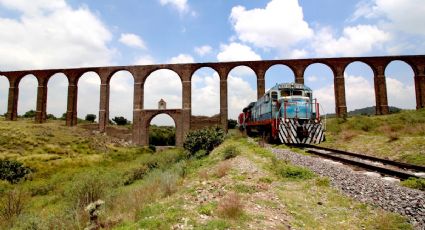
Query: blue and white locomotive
x,y
286,112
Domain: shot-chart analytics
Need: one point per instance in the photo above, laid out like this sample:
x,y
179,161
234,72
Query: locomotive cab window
x,y
285,93
297,93
308,94
274,96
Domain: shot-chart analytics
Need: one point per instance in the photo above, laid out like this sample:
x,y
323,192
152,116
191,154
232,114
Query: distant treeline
x,y
368,111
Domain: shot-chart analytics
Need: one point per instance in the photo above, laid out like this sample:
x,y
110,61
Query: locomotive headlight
x,y
316,121
287,120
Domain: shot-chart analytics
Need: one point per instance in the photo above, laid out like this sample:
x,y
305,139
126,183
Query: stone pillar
x,y
299,74
223,103
339,87
12,105
380,91
40,114
261,83
139,132
187,109
104,105
420,87
71,113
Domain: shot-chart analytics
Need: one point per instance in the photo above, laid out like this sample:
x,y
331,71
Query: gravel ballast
x,y
389,196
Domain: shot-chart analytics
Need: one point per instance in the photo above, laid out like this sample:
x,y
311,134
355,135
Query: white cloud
x,y
181,58
279,25
354,41
57,95
237,52
155,89
88,95
406,16
312,78
144,60
206,95
27,94
326,98
203,50
121,95
181,5
359,92
4,92
400,94
51,34
240,94
132,40
298,53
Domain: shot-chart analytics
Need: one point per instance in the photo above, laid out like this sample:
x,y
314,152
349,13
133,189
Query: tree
x,y
120,120
51,116
90,117
63,116
231,124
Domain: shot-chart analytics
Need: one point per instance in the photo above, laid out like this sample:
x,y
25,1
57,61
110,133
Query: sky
x,y
41,34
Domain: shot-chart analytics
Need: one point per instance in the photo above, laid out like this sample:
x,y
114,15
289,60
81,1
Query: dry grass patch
x,y
222,169
230,206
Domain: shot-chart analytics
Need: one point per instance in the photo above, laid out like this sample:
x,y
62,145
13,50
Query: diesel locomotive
x,y
286,113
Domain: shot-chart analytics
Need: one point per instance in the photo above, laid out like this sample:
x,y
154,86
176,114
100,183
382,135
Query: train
x,y
287,113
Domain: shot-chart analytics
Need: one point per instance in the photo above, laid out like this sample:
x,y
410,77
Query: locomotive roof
x,y
290,85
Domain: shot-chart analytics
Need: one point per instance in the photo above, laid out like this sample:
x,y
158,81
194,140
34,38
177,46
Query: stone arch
x,y
196,69
171,93
4,94
359,85
120,87
88,98
320,78
29,89
59,92
112,74
399,78
168,141
148,115
271,75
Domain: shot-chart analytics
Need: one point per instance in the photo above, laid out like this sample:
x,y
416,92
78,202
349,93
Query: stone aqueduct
x,y
182,117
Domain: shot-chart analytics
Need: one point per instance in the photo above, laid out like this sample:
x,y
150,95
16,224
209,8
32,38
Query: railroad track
x,y
383,166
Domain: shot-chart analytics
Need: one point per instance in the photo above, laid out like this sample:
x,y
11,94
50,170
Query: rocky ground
x,y
388,195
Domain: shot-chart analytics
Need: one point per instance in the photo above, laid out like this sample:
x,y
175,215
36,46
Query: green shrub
x,y
90,117
322,181
120,120
135,174
231,123
203,139
29,114
13,171
230,151
285,170
414,183
12,204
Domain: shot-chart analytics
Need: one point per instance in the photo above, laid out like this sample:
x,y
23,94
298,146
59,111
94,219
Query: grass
x,y
399,136
147,190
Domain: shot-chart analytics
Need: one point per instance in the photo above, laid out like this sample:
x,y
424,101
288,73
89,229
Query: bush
x,y
90,117
13,171
29,114
120,120
288,171
414,183
222,169
203,139
51,116
230,151
231,124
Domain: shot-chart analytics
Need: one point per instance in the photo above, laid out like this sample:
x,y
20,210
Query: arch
x,y
359,86
241,91
88,94
155,89
278,73
162,123
57,95
205,92
399,78
113,74
320,78
213,68
121,85
4,94
28,85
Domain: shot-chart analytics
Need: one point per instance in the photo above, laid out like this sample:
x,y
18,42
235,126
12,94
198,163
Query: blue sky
x,y
75,33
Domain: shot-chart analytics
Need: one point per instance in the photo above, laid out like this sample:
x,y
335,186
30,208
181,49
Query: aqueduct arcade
x,y
183,117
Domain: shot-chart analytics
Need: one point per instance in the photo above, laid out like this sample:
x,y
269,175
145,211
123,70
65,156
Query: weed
x,y
12,204
203,174
216,225
222,169
266,180
168,183
230,151
416,183
348,135
207,209
322,181
288,171
135,174
242,188
230,206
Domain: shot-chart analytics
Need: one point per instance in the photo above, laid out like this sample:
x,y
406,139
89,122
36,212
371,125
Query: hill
x,y
399,136
239,185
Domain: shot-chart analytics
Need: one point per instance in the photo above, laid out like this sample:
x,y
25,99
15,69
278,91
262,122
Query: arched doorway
x,y
121,95
57,88
27,102
155,89
162,130
399,78
88,96
242,90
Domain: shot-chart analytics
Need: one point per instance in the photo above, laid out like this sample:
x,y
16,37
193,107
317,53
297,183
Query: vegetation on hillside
x,y
238,185
399,136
